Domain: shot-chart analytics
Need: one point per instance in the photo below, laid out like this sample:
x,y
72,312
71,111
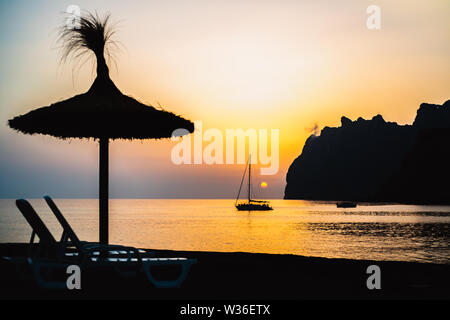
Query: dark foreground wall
x,y
375,160
243,276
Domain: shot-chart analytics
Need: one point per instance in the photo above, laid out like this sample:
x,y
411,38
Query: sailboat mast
x,y
249,175
242,182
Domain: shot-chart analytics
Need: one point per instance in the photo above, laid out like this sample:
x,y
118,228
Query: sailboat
x,y
251,205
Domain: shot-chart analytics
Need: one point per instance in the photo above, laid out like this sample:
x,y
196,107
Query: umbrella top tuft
x,y
93,33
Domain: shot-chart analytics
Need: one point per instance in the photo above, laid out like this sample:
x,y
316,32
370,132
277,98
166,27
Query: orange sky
x,y
250,64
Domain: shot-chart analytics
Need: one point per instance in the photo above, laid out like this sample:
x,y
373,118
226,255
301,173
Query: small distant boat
x,y
346,204
251,205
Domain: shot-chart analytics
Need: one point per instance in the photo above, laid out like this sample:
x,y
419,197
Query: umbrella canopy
x,y
97,114
103,112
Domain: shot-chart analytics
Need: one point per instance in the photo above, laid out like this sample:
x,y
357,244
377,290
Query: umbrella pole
x,y
103,190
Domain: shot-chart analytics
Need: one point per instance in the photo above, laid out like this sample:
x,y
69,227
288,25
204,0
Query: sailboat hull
x,y
253,207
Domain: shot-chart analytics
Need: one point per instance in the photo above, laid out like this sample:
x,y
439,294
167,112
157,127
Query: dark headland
x,y
244,276
377,161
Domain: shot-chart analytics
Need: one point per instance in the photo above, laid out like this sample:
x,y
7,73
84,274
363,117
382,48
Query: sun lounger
x,y
145,257
51,254
81,247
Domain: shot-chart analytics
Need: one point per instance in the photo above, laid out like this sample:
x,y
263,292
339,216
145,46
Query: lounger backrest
x,y
65,225
35,222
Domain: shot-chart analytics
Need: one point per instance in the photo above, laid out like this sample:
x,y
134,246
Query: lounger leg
x,y
185,265
36,269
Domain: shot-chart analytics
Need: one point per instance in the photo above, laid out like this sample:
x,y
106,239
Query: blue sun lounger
x,y
145,257
51,255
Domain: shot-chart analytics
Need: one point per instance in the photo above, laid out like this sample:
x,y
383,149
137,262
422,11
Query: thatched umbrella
x,y
103,112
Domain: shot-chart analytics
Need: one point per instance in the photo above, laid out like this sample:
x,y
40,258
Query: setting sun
x,y
264,184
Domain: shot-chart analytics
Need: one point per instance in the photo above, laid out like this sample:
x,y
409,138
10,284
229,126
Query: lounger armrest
x,y
100,247
131,252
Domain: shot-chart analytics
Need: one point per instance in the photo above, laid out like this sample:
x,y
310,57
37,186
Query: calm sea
x,y
379,232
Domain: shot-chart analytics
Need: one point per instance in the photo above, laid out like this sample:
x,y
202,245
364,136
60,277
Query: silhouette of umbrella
x,y
103,112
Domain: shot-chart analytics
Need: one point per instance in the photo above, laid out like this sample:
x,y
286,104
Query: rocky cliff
x,y
375,160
